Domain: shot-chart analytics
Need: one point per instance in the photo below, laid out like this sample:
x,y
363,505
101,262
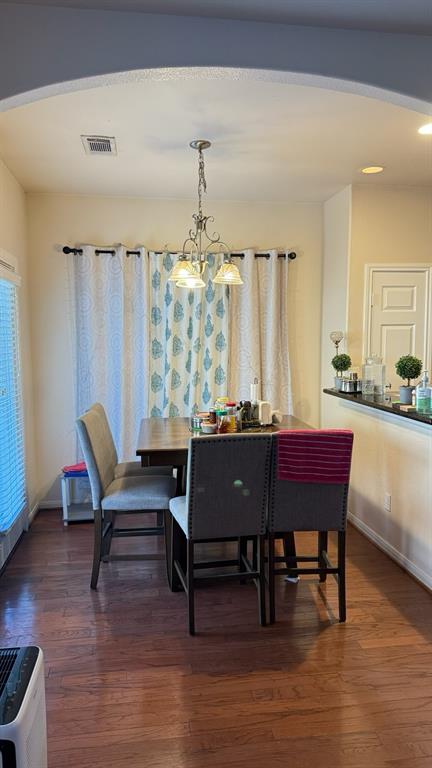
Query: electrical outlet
x,y
387,502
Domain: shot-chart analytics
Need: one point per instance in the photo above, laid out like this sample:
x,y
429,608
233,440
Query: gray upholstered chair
x,y
306,506
112,496
124,468
226,498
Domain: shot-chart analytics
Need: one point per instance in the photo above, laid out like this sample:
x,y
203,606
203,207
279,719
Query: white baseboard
x,y
51,504
32,514
391,551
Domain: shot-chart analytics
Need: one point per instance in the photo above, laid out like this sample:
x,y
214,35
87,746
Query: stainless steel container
x,y
351,386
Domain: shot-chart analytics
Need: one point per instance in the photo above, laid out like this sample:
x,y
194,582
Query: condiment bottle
x,y
231,408
212,415
222,422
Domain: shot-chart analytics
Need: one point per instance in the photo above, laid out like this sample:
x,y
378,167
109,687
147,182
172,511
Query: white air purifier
x,y
23,737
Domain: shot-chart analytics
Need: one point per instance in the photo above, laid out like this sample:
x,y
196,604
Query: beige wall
x,y
336,249
389,225
56,220
391,456
13,239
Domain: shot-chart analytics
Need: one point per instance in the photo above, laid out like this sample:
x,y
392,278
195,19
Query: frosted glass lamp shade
x,y
191,281
228,274
182,270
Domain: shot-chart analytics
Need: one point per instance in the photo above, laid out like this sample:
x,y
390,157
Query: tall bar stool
x,y
309,492
226,498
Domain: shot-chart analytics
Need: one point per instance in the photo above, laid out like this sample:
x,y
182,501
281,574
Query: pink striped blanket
x,y
314,455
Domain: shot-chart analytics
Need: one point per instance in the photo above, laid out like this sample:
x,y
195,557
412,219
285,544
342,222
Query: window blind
x,y
12,468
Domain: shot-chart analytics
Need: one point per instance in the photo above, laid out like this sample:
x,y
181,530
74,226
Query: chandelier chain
x,y
202,184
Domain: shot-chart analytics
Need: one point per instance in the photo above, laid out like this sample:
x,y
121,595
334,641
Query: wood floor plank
x,y
127,687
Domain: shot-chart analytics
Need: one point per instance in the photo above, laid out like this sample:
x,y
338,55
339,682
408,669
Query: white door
x,y
399,316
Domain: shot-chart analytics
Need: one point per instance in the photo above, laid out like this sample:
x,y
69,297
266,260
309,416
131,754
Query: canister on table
x,y
212,415
231,408
222,421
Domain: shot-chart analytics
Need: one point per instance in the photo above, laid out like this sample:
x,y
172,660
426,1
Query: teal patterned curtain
x,y
189,332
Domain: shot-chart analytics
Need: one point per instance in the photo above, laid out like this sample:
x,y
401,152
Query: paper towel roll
x,y
253,392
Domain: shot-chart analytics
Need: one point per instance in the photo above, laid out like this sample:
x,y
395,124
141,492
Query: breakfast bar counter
x,y
386,403
391,477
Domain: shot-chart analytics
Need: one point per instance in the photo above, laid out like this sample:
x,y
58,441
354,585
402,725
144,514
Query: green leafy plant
x,y
409,367
341,363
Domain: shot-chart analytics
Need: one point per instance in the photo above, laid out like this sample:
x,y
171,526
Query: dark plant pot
x,y
338,383
405,395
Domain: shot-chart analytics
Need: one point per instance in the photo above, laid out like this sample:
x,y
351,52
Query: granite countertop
x,y
387,403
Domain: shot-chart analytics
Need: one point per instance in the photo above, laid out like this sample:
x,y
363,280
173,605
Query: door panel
x,y
399,317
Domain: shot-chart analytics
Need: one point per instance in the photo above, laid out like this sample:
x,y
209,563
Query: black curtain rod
x,y
98,251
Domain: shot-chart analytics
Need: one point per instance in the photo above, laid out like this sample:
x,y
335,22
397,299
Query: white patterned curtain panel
x,y
189,332
112,331
259,331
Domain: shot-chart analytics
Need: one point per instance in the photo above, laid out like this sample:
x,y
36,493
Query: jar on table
x,y
220,404
212,415
222,422
231,409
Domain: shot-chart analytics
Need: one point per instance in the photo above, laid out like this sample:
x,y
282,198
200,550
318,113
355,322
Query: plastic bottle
x,y
424,395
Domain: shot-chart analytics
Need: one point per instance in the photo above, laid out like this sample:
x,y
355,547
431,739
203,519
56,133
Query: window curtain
x,y
147,348
112,330
188,340
259,331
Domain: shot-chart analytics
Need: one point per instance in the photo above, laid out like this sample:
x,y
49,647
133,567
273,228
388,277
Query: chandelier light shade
x,y
189,270
191,281
228,274
182,269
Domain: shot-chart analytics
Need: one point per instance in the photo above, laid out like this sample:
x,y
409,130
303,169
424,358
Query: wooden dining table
x,y
165,442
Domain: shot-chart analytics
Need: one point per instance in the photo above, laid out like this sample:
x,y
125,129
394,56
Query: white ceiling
x,y
271,141
385,15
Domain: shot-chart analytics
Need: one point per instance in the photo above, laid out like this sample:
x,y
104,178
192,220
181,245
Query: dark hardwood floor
x,y
127,687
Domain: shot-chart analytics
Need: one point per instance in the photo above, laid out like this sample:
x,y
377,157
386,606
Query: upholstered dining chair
x,y
126,468
309,492
226,498
112,496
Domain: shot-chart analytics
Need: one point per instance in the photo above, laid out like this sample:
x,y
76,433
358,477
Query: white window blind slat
x,y
12,466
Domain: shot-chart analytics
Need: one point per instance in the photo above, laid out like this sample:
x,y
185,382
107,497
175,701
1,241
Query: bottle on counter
x,y
423,398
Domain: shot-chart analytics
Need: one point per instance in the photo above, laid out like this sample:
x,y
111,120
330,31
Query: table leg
x,y
179,552
289,548
180,487
168,544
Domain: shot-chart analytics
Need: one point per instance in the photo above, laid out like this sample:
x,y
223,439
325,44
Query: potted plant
x,y
408,367
340,363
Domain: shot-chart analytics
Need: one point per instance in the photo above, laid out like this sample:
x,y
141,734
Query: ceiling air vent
x,y
99,145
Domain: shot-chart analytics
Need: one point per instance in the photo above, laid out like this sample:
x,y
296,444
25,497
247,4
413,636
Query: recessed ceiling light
x,y
426,130
373,169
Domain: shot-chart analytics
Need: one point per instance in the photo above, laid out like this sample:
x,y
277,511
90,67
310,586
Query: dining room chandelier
x,y
189,269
